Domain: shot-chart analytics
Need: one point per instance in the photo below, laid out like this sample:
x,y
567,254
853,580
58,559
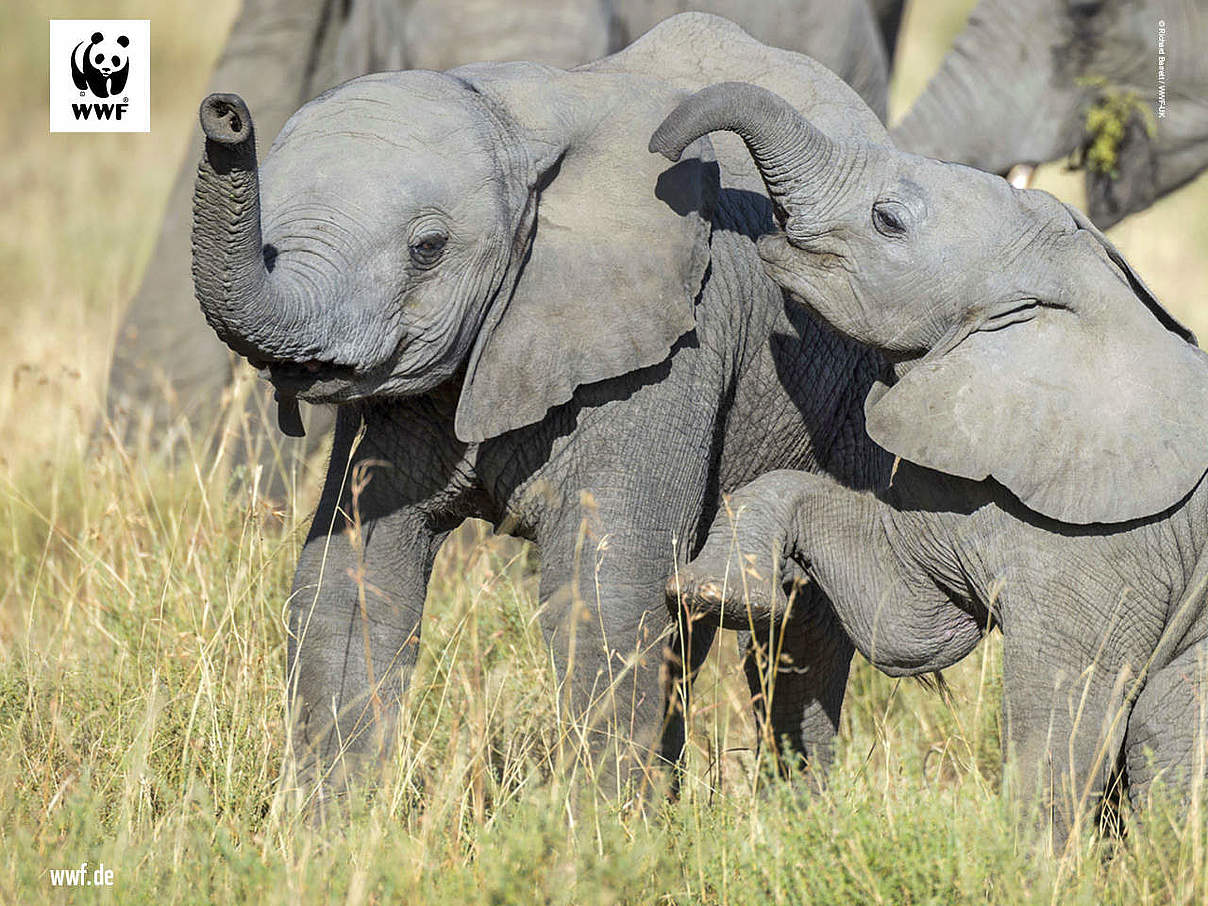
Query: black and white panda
x,y
101,66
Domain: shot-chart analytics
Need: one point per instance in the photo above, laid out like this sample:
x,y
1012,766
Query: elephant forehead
x,y
372,155
368,187
969,206
405,112
958,185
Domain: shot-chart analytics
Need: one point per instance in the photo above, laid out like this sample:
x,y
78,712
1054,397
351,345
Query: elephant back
x,y
842,35
693,50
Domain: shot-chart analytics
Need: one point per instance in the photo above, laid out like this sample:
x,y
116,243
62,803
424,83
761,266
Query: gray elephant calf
x,y
525,317
1049,416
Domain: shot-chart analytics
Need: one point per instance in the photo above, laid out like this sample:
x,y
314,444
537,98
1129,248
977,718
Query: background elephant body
x,y
1033,81
845,37
169,371
587,355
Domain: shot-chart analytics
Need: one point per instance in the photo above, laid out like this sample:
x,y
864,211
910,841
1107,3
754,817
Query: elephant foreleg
x,y
887,603
611,637
354,619
605,557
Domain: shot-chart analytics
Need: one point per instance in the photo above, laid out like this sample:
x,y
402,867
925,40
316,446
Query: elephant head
x,y
500,224
1022,78
1030,351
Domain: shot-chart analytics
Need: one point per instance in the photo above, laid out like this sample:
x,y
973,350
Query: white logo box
x,y
110,89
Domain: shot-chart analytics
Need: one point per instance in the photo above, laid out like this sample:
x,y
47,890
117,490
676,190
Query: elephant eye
x,y
889,218
427,249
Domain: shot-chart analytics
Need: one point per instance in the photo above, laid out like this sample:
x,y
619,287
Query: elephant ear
x,y
618,252
1143,292
1090,413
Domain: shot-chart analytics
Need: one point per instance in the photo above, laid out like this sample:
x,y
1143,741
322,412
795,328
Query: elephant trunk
x,y
792,155
258,316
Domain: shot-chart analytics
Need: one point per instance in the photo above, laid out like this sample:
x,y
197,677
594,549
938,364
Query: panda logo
x,y
101,66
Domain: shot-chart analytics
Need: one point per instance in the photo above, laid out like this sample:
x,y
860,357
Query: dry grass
x,y
141,637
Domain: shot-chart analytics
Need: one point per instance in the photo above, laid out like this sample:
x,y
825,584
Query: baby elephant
x,y
1049,419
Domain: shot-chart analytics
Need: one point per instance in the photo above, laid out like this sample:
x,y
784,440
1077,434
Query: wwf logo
x,y
100,75
101,66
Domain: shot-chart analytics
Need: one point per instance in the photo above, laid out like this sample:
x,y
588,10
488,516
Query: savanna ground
x,y
142,638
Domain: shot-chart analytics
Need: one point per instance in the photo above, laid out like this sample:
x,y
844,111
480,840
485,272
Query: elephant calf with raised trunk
x,y
525,317
1050,419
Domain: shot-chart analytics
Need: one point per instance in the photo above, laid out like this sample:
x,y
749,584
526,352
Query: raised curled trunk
x,y
796,160
258,316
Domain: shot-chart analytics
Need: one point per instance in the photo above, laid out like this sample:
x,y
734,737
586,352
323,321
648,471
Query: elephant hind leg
x,y
1167,738
686,653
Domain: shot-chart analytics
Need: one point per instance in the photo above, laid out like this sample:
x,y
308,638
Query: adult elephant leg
x,y
1065,724
1167,737
355,611
797,675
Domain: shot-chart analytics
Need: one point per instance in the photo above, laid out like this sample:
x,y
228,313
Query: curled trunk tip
x,y
225,119
709,110
787,148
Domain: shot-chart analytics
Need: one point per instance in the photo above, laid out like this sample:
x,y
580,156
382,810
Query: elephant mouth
x,y
297,378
